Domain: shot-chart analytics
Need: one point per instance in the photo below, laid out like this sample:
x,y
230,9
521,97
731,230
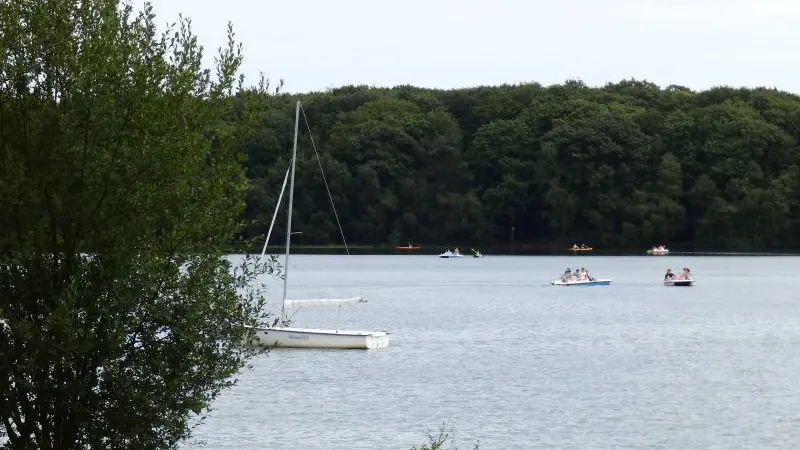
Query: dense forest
x,y
626,166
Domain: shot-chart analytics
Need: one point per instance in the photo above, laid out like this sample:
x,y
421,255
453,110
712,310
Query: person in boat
x,y
575,246
686,273
584,246
567,275
669,275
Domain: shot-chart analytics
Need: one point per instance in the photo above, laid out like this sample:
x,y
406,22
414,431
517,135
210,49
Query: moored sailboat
x,y
280,334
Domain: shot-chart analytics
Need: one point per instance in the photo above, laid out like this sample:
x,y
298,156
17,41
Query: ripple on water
x,y
488,346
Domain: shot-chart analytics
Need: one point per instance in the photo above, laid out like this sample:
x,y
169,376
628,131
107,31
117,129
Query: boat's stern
x,y
377,340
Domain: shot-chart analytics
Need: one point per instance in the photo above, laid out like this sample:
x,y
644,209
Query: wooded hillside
x,y
629,165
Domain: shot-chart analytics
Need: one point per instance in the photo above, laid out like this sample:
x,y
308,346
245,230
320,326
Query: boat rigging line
x,y
324,179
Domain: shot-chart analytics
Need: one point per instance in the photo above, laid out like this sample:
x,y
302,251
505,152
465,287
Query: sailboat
x,y
279,334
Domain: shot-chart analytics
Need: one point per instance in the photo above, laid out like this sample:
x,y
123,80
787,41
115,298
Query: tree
x,y
121,185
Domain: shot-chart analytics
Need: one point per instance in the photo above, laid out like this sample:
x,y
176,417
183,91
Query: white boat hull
x,y
595,282
685,283
290,337
658,252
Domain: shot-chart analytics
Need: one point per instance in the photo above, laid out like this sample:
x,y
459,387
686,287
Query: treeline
x,y
629,165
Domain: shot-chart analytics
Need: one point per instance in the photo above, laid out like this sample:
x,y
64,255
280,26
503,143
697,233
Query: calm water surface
x,y
488,346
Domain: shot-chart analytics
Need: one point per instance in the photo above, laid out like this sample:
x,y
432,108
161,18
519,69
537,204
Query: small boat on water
x,y
454,254
684,279
408,247
579,278
294,337
582,248
658,251
592,282
476,253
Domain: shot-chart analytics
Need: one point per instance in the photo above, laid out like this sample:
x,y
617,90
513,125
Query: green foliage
x,y
626,165
121,183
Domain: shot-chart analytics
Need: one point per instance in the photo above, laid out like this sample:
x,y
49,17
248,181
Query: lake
x,y
490,348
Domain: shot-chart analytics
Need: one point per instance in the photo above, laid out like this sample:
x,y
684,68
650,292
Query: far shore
x,y
518,250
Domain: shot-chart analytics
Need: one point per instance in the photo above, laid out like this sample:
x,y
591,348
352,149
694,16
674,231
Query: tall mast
x,y
289,213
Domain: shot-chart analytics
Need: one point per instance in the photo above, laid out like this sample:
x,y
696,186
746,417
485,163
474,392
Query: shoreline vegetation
x,y
117,142
534,168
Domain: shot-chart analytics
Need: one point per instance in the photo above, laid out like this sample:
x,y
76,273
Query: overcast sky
x,y
317,44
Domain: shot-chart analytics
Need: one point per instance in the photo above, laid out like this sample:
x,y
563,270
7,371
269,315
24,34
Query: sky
x,y
319,44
